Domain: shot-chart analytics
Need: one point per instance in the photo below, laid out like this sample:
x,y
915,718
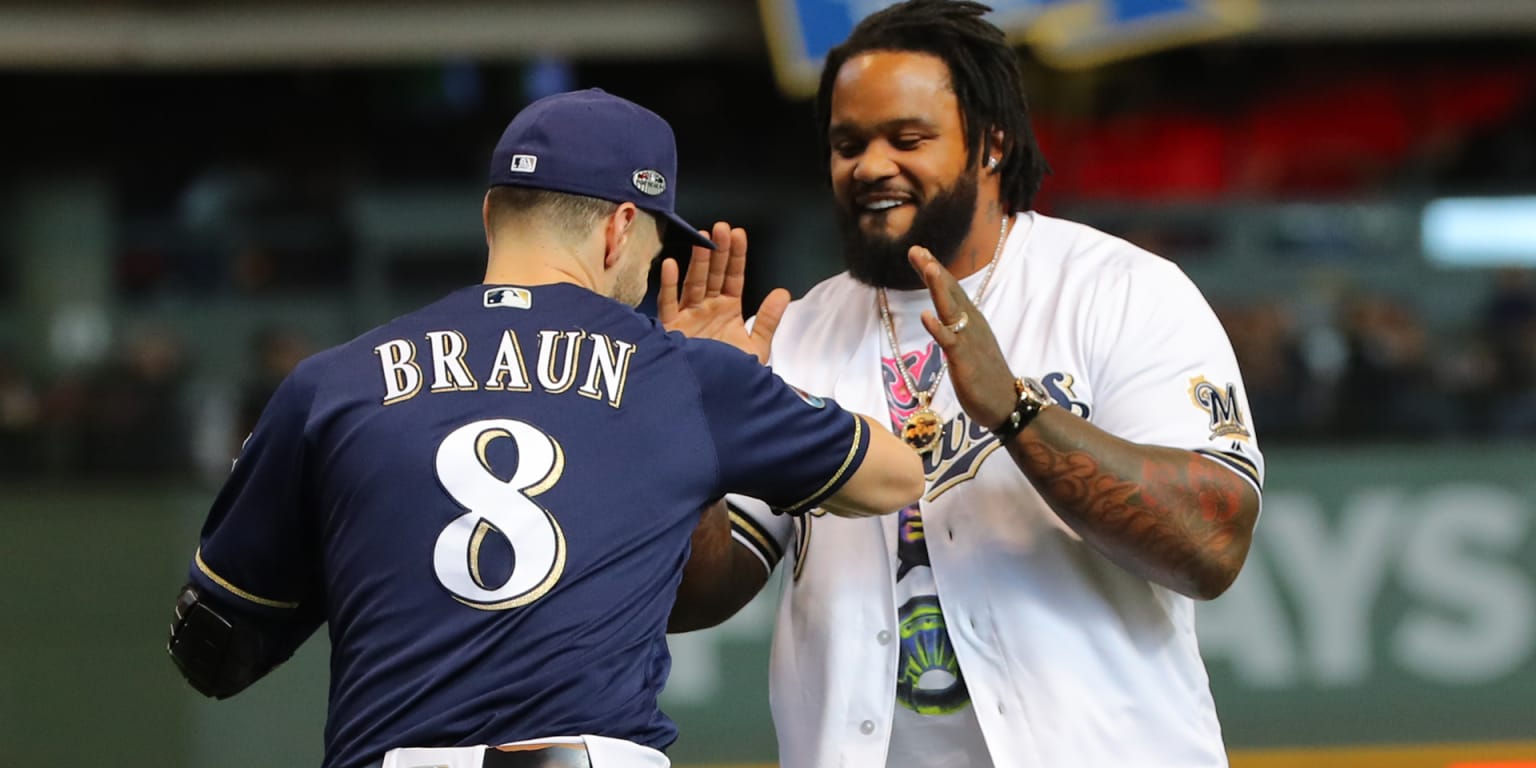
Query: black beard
x,y
940,225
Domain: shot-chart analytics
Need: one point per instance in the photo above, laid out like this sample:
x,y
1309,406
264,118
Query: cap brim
x,y
690,232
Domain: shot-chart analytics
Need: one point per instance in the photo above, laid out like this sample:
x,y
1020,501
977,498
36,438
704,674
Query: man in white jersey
x,y
1091,469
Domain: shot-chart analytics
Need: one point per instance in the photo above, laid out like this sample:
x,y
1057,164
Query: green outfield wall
x,y
1390,599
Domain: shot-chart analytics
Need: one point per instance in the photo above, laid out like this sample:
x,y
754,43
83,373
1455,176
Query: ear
x,y
616,232
485,218
995,146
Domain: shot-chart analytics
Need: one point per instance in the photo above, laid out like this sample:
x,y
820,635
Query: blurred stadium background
x,y
195,195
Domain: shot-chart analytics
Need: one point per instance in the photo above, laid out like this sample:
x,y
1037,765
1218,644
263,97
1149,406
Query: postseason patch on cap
x,y
649,181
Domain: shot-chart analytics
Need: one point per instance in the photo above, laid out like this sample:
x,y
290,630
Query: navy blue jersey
x,y
490,500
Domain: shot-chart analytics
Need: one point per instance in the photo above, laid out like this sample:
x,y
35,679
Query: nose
x,y
874,164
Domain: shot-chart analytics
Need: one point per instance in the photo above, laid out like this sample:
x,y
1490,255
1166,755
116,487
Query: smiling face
x,y
901,174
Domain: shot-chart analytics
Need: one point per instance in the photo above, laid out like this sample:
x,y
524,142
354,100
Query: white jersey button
x,y
884,637
867,727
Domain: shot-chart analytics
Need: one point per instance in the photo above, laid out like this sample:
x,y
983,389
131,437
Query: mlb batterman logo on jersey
x,y
649,181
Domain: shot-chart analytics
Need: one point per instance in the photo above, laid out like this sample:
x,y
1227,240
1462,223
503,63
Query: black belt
x,y
537,756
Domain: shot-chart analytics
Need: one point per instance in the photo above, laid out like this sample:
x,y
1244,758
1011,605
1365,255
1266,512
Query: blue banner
x,y
1064,33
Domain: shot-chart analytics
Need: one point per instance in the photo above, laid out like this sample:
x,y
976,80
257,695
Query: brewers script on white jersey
x,y
1066,659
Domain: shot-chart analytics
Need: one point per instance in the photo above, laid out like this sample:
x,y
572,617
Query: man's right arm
x,y
890,478
707,304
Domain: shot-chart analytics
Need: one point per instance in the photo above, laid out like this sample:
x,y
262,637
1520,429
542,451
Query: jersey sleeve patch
x,y
810,399
1222,406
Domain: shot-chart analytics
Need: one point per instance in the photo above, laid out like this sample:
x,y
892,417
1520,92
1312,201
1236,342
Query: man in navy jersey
x,y
490,500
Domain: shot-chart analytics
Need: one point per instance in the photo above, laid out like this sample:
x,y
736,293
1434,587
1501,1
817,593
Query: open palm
x,y
708,306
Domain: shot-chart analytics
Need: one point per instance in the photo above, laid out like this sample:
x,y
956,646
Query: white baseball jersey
x,y
1068,659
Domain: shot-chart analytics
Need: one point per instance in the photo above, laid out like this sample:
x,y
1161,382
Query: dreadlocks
x,y
983,71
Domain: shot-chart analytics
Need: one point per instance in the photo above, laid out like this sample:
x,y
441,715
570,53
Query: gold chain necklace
x,y
922,427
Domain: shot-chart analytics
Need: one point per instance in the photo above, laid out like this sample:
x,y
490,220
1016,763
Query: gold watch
x,y
1032,399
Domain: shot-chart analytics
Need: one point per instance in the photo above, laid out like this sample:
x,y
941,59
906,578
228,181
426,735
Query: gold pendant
x,y
922,429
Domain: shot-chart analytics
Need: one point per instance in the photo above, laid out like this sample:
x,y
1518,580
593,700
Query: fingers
x,y
666,298
711,269
695,283
938,330
720,259
949,299
767,322
950,303
736,265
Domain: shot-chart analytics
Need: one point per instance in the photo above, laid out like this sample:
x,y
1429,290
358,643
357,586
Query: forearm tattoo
x,y
1179,514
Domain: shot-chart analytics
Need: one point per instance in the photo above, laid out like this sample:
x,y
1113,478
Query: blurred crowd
x,y
217,202
1367,370
1371,370
146,412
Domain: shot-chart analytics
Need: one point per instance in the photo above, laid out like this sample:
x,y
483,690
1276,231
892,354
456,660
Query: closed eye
x,y
848,149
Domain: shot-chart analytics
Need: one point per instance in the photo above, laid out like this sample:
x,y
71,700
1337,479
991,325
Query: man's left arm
x,y
1180,518
1173,517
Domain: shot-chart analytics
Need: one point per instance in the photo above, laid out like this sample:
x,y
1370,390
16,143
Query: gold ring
x,y
958,325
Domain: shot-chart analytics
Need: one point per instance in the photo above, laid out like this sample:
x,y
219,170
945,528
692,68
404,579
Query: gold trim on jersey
x,y
975,466
475,540
555,572
547,359
802,542
1238,463
858,438
554,473
234,590
618,365
508,350
766,546
441,343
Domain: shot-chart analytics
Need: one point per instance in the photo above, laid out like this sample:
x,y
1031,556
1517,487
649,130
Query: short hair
x,y
565,214
983,71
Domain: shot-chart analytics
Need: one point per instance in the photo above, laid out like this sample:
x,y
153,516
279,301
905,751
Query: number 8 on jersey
x,y
502,507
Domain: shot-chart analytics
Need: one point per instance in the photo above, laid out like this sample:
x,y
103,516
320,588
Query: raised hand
x,y
709,303
977,369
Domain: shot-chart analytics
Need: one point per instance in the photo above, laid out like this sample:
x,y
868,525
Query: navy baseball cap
x,y
595,144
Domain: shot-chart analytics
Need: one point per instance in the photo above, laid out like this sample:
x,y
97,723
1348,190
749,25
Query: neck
x,y
981,245
537,262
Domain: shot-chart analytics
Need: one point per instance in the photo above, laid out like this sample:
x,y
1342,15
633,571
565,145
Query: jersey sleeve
x,y
258,551
755,526
1165,373
773,442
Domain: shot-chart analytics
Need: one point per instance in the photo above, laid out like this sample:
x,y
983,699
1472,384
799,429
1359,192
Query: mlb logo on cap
x,y
595,144
524,163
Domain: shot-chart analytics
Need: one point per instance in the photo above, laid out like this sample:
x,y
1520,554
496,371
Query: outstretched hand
x,y
709,303
977,369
